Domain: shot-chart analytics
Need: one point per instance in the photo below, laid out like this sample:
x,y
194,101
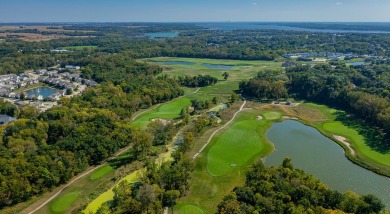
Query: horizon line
x,y
184,22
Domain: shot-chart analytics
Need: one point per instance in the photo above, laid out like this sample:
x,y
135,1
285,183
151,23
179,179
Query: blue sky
x,y
193,10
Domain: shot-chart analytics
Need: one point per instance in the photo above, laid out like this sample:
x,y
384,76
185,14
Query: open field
x,y
35,37
37,27
242,70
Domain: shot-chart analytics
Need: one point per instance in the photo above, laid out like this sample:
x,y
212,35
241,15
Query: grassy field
x,y
102,171
242,70
238,145
272,115
61,204
190,209
167,111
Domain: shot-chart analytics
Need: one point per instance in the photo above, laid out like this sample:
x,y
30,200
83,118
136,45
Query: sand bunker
x,y
289,118
345,142
163,121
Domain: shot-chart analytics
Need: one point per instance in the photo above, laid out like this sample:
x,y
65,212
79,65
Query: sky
x,y
194,10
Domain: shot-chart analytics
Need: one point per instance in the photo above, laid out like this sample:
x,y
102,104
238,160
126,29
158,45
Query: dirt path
x,y
345,142
215,132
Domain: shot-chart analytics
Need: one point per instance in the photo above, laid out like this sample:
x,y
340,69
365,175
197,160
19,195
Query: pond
x,y
356,63
323,158
174,63
44,91
162,35
220,67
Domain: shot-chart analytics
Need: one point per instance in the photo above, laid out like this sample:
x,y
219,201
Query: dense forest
x,y
288,190
42,150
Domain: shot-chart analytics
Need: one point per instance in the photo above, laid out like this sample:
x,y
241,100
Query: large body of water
x,y
228,26
44,91
323,158
162,35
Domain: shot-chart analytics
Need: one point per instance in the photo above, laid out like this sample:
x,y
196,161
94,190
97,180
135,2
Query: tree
x,y
214,100
233,98
142,143
170,197
22,96
69,91
225,75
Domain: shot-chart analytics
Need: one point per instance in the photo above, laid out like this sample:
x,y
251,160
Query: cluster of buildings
x,y
316,56
63,81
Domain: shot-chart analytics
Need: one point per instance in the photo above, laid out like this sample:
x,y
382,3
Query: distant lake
x,y
174,63
356,63
44,91
229,26
220,67
162,35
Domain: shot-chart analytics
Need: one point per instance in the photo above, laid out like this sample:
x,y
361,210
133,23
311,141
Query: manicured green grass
x,y
358,142
167,111
189,209
62,204
79,47
102,171
272,115
237,145
206,190
109,194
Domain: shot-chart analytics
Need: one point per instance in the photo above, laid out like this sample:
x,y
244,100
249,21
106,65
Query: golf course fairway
x,y
237,145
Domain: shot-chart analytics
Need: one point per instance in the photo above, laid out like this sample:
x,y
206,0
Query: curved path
x,y
215,132
103,164
77,178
